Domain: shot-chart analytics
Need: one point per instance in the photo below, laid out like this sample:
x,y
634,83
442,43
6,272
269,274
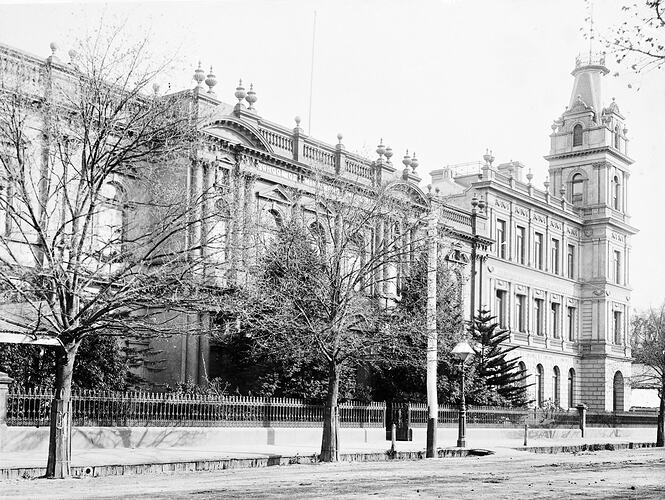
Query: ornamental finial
x,y
211,81
407,159
389,153
414,162
199,75
240,92
381,149
73,55
529,176
251,97
54,47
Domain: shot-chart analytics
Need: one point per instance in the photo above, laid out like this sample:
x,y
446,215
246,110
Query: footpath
x,y
120,461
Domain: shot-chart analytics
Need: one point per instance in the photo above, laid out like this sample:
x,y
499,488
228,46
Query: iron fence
x,y
98,408
622,419
494,416
415,415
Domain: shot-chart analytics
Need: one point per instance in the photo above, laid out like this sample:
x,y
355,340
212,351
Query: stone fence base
x,y
17,439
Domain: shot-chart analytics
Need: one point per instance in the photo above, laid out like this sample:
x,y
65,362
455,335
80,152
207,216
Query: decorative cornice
x,y
588,152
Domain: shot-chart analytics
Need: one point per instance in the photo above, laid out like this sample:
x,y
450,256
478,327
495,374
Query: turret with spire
x,y
586,137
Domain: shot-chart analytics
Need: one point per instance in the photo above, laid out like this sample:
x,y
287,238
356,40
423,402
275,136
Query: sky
x,y
446,79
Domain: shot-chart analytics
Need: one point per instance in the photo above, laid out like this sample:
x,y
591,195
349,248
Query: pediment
x,y
237,132
276,193
409,192
318,207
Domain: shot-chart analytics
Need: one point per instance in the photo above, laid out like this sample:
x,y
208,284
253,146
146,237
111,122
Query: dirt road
x,y
509,474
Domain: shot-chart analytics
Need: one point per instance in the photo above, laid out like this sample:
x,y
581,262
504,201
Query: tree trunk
x,y
59,449
660,438
330,441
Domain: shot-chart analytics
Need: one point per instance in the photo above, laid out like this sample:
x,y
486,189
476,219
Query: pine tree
x,y
493,366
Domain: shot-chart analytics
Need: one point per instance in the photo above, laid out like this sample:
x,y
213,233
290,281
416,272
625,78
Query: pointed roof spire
x,y
588,75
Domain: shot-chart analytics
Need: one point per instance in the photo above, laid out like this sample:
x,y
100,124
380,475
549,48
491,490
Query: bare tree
x,y
327,283
638,40
97,237
648,343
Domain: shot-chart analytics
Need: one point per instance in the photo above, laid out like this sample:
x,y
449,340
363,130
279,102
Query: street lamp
x,y
461,352
476,205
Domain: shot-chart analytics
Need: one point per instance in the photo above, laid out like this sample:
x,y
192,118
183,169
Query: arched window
x,y
111,222
617,393
571,388
523,373
556,384
616,193
272,222
319,235
540,390
577,189
278,220
577,135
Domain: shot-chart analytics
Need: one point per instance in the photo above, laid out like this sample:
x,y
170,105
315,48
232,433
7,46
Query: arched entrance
x,y
540,390
556,384
571,388
617,393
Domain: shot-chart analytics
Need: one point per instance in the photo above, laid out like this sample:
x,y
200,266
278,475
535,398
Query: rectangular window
x,y
538,251
556,330
555,256
571,262
571,324
617,267
501,308
520,242
617,328
501,238
538,316
520,312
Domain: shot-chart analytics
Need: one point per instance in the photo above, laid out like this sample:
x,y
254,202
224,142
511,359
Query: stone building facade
x,y
553,264
558,273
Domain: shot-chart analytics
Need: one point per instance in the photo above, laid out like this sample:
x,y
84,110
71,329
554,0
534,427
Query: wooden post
x,y
432,341
393,438
526,433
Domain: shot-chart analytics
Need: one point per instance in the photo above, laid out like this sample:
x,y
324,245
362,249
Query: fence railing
x,y
415,415
96,408
492,416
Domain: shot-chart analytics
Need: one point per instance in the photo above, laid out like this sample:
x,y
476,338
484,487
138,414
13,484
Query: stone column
x,y
390,269
378,249
247,221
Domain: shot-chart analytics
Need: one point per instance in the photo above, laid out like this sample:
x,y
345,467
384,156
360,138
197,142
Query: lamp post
x,y
476,205
461,352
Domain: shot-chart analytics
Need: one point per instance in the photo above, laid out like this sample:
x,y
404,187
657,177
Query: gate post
x,y
5,382
581,408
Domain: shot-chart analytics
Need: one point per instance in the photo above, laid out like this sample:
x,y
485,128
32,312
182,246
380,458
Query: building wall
x,y
259,170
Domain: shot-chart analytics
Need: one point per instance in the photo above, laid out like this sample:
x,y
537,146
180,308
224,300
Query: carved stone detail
x,y
539,218
521,211
502,203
